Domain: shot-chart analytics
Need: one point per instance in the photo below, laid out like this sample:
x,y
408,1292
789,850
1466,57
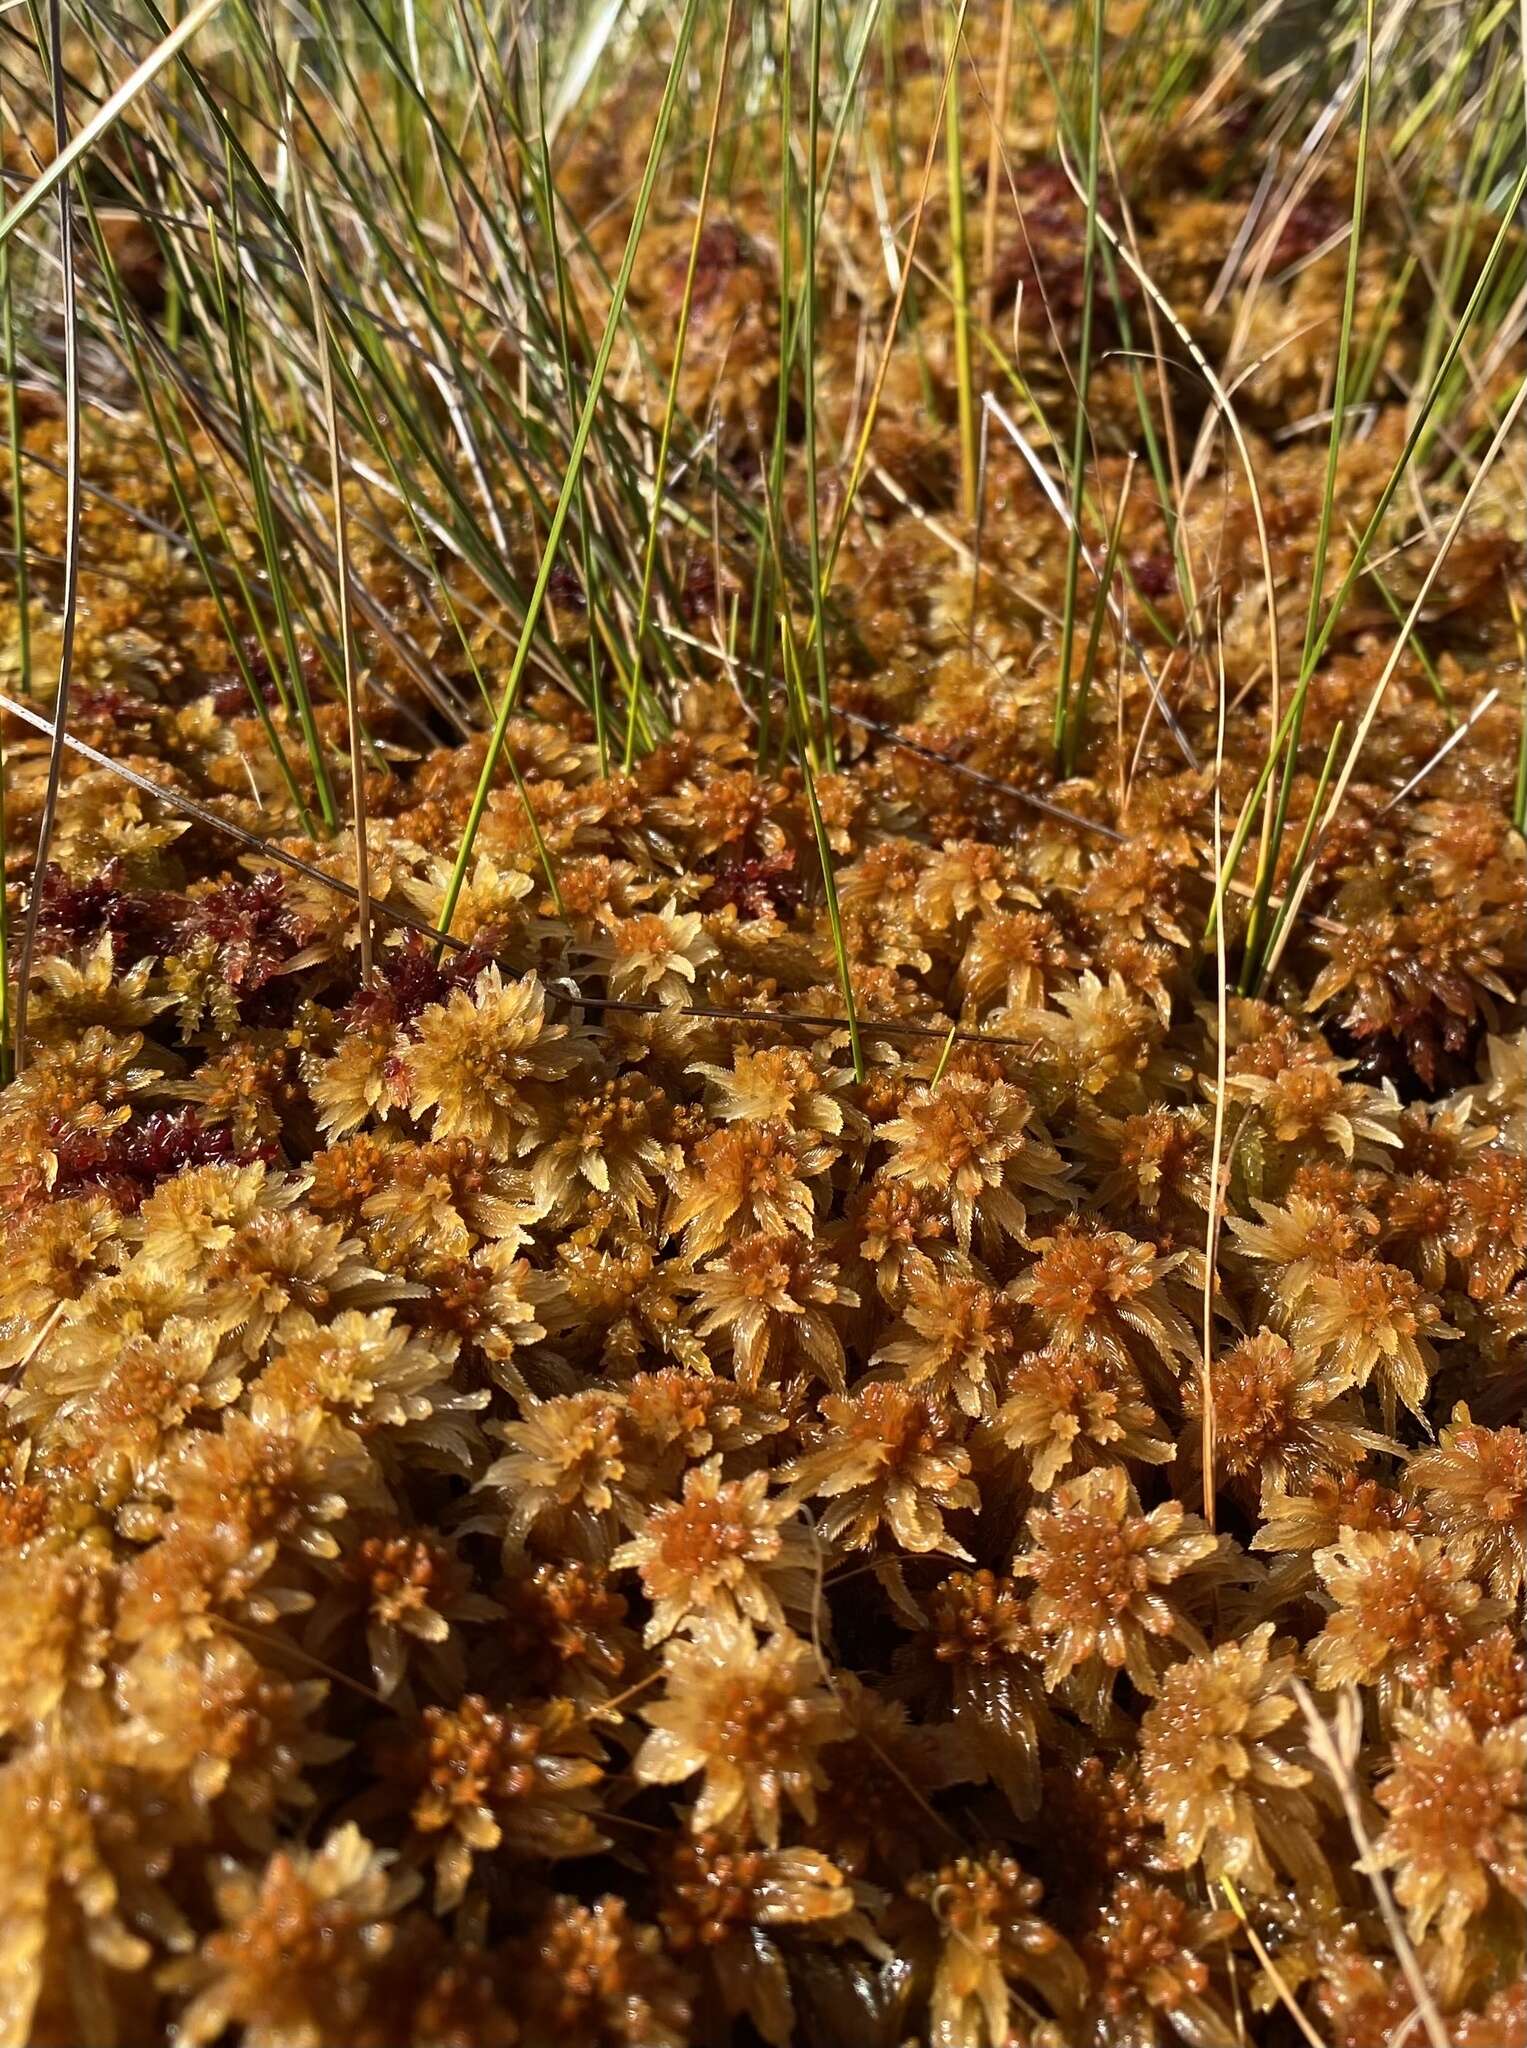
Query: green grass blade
x,y
18,486
547,197
1429,667
1083,377
671,403
1273,828
809,383
54,43
1358,564
1076,724
959,282
574,469
342,576
797,691
106,117
209,569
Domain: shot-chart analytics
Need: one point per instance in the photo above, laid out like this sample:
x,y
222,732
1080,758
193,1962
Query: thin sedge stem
x,y
798,716
1299,884
771,567
342,586
996,114
23,625
1079,439
791,658
1269,1967
1121,619
1207,1417
106,117
809,381
671,404
17,483
55,47
1076,726
1433,761
1428,666
574,470
192,532
463,638
1274,822
1301,852
548,200
249,407
946,1053
893,323
959,279
1358,563
1334,1744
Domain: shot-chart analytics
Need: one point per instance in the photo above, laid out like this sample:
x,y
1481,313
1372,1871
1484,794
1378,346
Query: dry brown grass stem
x,y
1335,1745
1269,1966
893,319
996,114
1221,1056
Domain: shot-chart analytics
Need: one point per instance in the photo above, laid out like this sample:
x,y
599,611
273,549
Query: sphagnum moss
x,y
546,1495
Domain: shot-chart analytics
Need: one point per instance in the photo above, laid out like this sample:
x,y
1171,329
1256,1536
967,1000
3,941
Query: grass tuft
x,y
576,453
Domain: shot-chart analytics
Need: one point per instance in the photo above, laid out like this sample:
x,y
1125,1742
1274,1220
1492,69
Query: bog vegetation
x,y
763,1139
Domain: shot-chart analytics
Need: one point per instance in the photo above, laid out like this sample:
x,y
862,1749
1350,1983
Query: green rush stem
x,y
1396,611
349,683
1383,327
1450,83
893,329
548,196
959,283
18,483
1267,861
105,117
670,408
1134,357
379,440
193,531
1083,374
797,692
234,385
1076,724
809,383
1301,881
996,117
1456,246
1360,553
248,407
1308,833
574,471
796,304
54,40
908,321
771,564
799,717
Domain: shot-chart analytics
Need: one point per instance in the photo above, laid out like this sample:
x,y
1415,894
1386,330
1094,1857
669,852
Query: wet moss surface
x,y
551,1493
